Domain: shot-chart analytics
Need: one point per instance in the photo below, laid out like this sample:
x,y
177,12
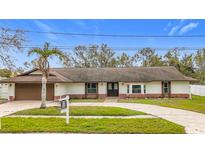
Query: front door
x,y
112,88
166,89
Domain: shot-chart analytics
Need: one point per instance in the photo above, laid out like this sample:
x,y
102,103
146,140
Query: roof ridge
x,y
28,72
113,67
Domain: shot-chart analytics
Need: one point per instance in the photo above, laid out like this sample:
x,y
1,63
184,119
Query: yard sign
x,y
64,106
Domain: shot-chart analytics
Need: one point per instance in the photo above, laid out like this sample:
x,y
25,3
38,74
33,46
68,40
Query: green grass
x,y
82,111
108,126
86,100
197,103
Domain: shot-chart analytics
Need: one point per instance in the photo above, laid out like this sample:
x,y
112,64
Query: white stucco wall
x,y
77,88
69,88
11,89
102,88
153,87
7,89
4,91
177,87
123,87
180,87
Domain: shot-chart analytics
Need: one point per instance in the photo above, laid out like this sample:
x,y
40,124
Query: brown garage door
x,y
32,91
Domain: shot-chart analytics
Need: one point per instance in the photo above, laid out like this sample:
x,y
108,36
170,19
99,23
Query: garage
x,y
32,91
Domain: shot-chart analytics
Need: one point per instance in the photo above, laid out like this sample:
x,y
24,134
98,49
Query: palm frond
x,y
45,53
37,51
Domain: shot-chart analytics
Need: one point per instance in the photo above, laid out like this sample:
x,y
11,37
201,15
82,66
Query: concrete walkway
x,y
192,121
87,117
12,107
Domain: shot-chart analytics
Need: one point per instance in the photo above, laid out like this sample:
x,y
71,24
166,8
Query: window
x,y
109,86
136,89
144,89
166,87
91,87
115,86
128,88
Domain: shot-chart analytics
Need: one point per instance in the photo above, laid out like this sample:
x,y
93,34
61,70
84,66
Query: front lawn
x,y
57,125
82,111
86,100
197,103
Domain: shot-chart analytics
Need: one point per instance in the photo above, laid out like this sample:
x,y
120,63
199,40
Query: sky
x,y
125,27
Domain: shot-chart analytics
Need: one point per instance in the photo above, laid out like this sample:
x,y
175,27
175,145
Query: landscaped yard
x,y
86,100
197,103
82,111
57,125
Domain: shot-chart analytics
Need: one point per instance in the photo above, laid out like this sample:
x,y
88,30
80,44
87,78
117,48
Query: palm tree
x,y
42,62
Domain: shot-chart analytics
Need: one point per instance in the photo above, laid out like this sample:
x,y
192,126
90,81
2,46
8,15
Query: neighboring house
x,y
134,82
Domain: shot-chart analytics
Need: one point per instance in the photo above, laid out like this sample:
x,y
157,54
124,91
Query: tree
x,y
106,57
183,62
83,56
200,65
42,62
124,60
187,65
5,73
10,41
200,59
148,57
94,56
172,58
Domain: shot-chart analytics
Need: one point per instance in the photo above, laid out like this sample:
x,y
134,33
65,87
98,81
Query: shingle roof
x,y
29,79
131,74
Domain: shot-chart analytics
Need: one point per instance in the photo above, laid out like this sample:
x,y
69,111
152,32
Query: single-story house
x,y
133,82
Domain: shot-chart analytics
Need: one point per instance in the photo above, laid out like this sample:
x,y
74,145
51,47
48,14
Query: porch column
x,y
102,90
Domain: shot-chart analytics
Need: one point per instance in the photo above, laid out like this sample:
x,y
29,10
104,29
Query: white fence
x,y
198,90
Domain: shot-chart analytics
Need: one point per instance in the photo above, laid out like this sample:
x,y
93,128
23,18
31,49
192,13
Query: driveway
x,y
192,121
11,107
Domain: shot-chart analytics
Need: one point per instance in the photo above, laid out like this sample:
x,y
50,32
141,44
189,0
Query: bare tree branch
x,y
10,42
